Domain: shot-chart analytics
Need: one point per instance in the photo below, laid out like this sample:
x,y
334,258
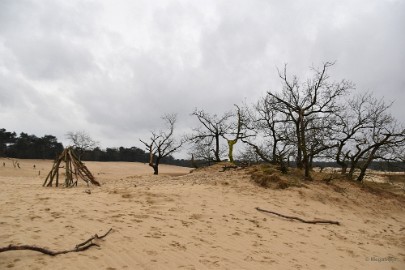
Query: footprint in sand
x,y
151,252
187,267
178,245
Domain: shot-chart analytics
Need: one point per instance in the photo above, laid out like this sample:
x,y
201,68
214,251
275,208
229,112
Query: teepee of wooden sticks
x,y
74,169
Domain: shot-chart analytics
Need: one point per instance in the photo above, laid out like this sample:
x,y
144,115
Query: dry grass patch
x,y
269,176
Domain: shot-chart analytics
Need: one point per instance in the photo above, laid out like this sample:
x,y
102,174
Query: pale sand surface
x,y
202,220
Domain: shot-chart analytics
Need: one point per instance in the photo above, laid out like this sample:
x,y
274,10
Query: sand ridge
x,y
199,220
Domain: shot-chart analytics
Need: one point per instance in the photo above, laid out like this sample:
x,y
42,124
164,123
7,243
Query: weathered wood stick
x,y
299,219
92,238
80,247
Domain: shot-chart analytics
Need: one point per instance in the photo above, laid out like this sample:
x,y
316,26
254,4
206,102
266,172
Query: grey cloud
x,y
113,68
50,59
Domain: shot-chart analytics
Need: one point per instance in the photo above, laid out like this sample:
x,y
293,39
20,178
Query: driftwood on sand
x,y
80,247
316,221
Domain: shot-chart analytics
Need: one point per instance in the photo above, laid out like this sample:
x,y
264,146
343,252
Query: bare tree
x,y
162,144
381,133
81,141
304,103
239,130
276,127
351,123
249,156
271,132
213,127
321,137
202,151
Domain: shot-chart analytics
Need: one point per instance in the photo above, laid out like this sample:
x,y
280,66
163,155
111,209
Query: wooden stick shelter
x,y
74,169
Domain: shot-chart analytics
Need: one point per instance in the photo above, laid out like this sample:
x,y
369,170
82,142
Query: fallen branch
x,y
299,219
80,247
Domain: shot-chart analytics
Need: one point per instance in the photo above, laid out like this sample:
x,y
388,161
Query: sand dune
x,y
199,220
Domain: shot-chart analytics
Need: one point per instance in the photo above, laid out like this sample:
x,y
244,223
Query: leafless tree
x,y
271,132
238,130
351,123
304,103
380,134
162,144
81,141
249,156
321,137
213,128
202,151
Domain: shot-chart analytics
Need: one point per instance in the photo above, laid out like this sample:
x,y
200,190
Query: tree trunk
x,y
193,163
344,168
303,148
351,171
156,166
343,165
274,156
216,153
155,169
307,170
363,168
299,151
231,143
340,162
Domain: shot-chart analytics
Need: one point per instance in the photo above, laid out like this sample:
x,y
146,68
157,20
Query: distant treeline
x,y
27,146
132,154
390,166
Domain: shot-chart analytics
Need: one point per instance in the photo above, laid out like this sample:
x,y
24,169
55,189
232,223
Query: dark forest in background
x,y
47,147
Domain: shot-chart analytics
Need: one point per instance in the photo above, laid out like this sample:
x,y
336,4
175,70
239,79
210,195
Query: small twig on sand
x,y
299,219
80,247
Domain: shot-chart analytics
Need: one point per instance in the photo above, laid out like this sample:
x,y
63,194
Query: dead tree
x,y
304,102
81,141
162,144
320,137
351,123
382,132
272,128
202,151
239,130
213,127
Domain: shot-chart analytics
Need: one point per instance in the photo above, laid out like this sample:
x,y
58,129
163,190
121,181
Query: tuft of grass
x,y
269,176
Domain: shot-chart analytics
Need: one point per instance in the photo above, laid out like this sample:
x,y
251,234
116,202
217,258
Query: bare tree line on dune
x,y
315,119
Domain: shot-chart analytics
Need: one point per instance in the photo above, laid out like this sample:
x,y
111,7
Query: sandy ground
x,y
202,220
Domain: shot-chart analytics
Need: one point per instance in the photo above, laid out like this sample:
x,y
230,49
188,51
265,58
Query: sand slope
x,y
202,220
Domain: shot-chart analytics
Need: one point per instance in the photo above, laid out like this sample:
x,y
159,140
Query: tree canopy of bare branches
x,y
163,143
238,130
270,131
306,105
81,141
213,129
311,120
372,134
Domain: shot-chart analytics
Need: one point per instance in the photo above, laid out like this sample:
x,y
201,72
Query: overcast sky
x,y
113,67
